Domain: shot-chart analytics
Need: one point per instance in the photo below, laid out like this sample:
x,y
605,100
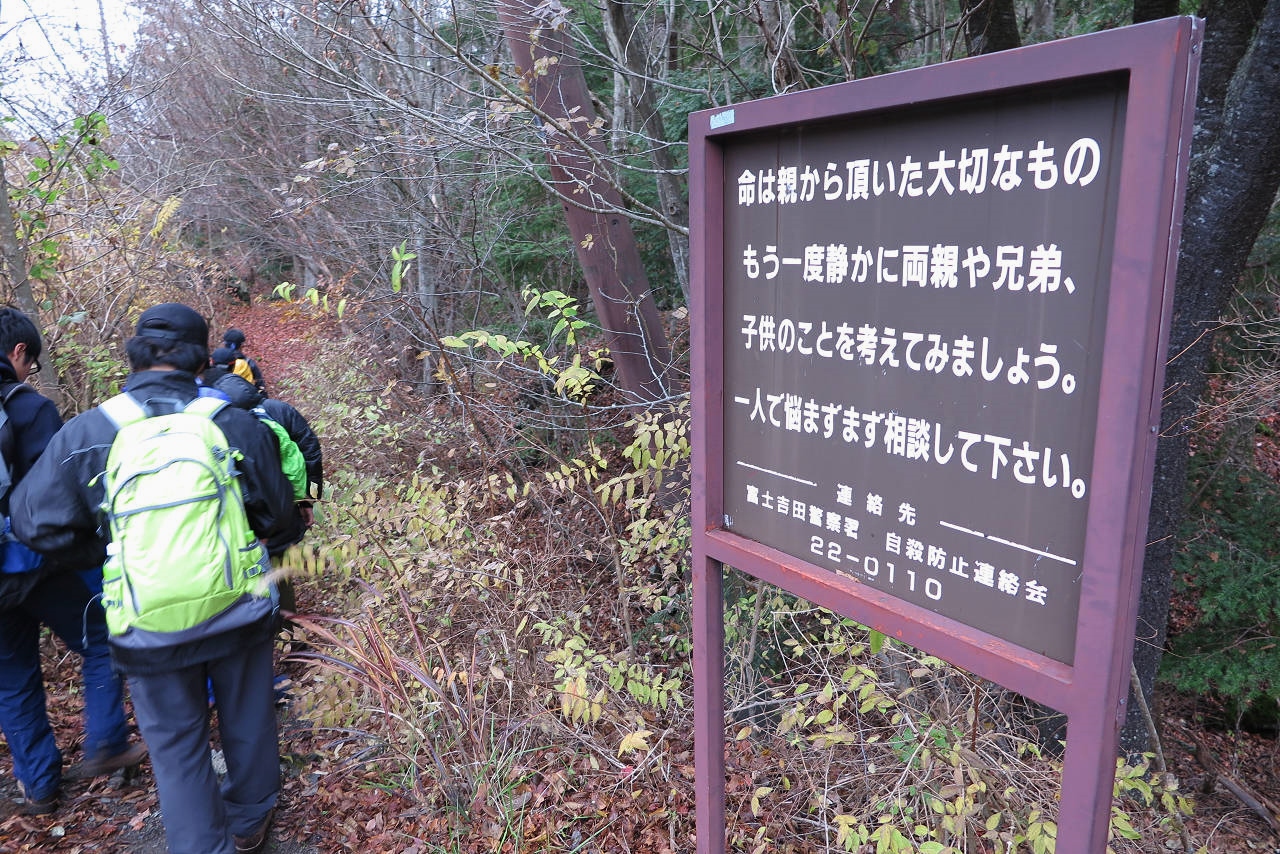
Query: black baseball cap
x,y
222,356
173,321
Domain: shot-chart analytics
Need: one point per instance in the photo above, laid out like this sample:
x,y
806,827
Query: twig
x,y
1135,686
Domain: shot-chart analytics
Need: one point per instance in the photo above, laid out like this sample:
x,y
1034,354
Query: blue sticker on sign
x,y
719,120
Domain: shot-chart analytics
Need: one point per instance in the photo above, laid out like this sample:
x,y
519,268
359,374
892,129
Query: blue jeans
x,y
66,604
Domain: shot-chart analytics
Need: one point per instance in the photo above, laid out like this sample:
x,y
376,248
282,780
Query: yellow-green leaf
x,y
637,740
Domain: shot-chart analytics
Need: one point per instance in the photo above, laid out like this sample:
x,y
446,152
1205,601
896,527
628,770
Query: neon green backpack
x,y
181,550
291,459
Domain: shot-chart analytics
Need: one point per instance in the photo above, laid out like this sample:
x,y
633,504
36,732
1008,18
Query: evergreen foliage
x,y
1224,639
1230,569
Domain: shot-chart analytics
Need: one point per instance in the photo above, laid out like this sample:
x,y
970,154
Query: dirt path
x,y
119,815
115,815
281,337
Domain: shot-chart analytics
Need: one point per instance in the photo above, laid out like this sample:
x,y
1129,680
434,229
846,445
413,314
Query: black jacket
x,y
243,394
56,508
299,431
33,421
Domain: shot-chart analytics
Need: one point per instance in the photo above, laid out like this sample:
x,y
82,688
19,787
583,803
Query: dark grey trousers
x,y
173,714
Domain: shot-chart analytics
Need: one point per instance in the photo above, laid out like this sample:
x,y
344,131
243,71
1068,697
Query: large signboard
x,y
915,309
929,320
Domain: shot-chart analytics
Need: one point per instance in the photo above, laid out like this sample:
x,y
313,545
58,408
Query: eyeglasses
x,y
22,353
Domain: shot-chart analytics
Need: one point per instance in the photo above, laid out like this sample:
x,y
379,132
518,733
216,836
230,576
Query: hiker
x,y
35,592
233,339
226,359
283,413
305,471
176,626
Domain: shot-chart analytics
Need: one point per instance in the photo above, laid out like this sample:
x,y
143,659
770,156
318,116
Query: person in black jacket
x,y
35,593
299,430
56,511
246,396
242,393
233,340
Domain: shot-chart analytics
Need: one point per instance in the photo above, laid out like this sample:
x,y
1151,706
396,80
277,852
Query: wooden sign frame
x,y
1156,66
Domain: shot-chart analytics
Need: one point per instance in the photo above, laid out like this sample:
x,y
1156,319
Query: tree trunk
x,y
14,253
605,243
990,26
900,32
1042,20
672,193
774,21
1234,176
1153,10
108,63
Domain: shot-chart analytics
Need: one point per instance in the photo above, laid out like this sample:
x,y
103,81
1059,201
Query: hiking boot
x,y
39,805
101,765
253,843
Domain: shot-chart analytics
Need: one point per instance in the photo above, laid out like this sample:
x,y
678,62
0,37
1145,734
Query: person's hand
x,y
308,515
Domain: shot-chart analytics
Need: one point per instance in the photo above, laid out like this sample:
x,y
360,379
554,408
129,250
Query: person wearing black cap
x,y
35,593
233,341
56,511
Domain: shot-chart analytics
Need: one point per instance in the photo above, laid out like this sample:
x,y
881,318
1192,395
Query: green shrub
x,y
1230,567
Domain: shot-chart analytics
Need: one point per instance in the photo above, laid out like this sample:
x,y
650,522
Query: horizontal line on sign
x,y
743,400
1068,561
961,529
782,475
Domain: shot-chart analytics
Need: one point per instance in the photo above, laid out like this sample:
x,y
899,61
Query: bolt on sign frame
x,y
929,322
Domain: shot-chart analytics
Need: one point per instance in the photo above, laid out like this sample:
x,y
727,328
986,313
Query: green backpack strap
x,y
122,410
209,406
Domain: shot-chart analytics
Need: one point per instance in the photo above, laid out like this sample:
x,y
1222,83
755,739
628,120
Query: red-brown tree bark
x,y
605,242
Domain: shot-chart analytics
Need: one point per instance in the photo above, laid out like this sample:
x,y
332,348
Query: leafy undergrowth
x,y
493,656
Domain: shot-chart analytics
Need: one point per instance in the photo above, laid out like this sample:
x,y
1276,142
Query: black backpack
x,y
25,569
7,443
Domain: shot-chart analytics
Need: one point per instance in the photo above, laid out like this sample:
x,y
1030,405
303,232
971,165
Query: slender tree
x,y
14,250
990,26
642,93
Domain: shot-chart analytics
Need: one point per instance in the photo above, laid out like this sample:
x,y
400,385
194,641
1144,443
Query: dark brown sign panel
x,y
929,318
914,316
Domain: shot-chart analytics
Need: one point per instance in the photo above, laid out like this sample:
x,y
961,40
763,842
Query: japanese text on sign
x,y
917,326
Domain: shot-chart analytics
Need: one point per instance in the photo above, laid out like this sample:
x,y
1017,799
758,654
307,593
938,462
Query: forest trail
x,y
119,815
326,807
280,336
